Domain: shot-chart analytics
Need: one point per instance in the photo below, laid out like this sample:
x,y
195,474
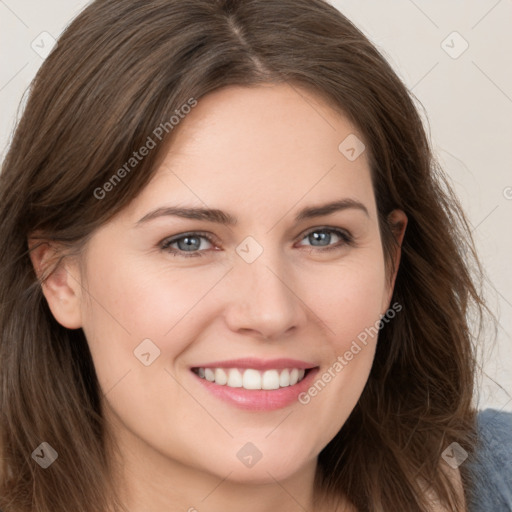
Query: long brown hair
x,y
123,68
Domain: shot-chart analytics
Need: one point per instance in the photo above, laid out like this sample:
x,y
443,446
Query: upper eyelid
x,y
174,238
324,228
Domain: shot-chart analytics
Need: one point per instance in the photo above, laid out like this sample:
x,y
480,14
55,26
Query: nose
x,y
262,301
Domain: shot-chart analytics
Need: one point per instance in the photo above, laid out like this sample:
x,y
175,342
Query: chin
x,y
262,474
262,469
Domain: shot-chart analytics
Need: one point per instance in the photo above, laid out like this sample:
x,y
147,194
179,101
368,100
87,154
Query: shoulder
x,y
491,463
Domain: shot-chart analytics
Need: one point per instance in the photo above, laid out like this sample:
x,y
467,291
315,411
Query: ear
x,y
397,221
59,282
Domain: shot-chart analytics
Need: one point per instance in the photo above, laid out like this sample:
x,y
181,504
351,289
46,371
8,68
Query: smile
x,y
250,378
256,384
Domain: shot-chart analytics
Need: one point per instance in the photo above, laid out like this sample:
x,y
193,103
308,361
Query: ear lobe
x,y
61,290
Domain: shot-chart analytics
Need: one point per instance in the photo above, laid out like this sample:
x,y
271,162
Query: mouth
x,y
251,378
255,384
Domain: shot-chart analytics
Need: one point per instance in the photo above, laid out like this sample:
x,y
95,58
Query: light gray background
x,y
467,99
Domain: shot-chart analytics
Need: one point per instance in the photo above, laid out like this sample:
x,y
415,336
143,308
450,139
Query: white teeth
x,y
220,377
235,378
270,380
284,379
252,379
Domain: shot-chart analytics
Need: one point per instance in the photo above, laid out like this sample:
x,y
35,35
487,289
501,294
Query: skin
x,y
261,154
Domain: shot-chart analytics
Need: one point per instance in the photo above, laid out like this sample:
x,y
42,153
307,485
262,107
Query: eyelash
x,y
346,239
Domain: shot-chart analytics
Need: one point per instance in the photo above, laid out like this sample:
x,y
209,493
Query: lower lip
x,y
259,399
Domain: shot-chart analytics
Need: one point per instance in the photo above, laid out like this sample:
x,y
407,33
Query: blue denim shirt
x,y
491,463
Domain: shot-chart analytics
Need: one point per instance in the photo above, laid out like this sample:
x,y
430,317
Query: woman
x,y
211,210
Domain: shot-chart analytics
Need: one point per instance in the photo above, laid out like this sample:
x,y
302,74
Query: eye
x,y
191,244
187,244
321,238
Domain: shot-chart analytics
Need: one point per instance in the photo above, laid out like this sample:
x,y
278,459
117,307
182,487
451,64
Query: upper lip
x,y
259,364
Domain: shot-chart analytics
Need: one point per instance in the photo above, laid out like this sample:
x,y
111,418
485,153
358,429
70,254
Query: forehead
x,y
261,146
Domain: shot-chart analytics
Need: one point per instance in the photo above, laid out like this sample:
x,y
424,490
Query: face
x,y
187,318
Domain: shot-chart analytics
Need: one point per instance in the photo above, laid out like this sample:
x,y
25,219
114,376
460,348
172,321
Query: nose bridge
x,y
264,300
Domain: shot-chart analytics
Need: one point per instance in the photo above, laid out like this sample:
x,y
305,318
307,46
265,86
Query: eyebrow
x,y
224,218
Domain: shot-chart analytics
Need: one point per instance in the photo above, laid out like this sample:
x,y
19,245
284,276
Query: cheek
x,y
349,302
348,298
130,302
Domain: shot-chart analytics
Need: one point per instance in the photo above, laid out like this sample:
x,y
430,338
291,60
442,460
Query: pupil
x,y
320,236
189,242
